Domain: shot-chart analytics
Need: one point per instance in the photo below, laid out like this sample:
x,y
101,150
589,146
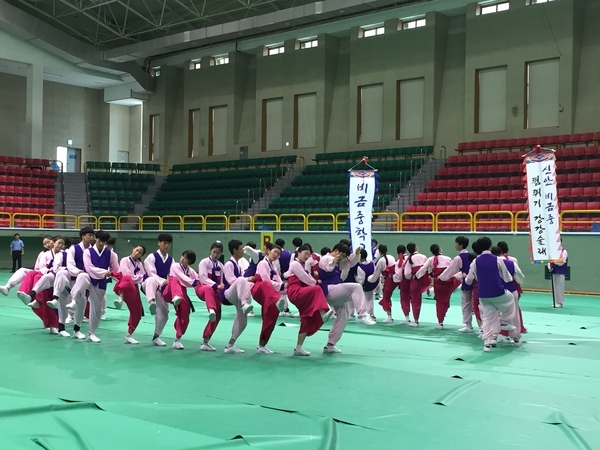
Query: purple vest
x,y
102,261
284,260
162,268
510,266
236,271
489,282
251,270
466,265
328,278
368,267
560,270
79,257
351,278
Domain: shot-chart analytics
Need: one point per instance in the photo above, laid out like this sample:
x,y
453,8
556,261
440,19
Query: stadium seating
x,y
558,141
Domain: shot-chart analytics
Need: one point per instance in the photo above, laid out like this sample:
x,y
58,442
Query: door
x,y
73,160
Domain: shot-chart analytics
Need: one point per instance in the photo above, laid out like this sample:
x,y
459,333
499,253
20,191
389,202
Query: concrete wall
x,y
580,246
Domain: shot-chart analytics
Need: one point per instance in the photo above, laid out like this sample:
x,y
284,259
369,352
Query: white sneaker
x,y
93,338
206,347
212,315
414,324
79,335
53,330
177,345
72,305
176,300
233,349
507,327
517,343
86,319
25,298
250,314
34,304
4,290
493,342
301,352
439,326
64,333
264,350
159,342
118,303
352,317
406,322
103,317
152,308
285,314
296,314
559,305
280,305
367,320
331,349
388,320
247,308
465,330
326,316
52,304
130,340
487,348
68,320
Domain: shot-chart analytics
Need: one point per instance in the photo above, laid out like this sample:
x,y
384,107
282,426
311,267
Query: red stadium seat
x,y
588,138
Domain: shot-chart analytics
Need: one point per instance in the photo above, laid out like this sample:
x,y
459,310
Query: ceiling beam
x,y
86,8
89,16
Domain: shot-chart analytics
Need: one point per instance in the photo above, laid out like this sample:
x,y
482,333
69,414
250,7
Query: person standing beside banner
x,y
559,270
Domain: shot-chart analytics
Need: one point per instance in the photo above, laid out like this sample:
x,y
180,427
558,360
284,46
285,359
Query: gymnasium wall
x,y
582,248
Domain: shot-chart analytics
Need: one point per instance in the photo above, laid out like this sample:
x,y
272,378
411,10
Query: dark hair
x,y
68,242
472,256
503,246
363,253
434,249
382,249
346,242
111,241
165,237
462,241
297,242
190,255
280,242
485,243
476,248
324,251
57,238
373,241
16,234
102,235
143,249
304,247
85,230
342,248
233,244
218,245
412,248
251,244
401,249
50,237
269,246
308,245
496,250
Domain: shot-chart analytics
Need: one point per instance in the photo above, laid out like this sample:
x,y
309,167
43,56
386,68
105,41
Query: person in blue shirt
x,y
17,250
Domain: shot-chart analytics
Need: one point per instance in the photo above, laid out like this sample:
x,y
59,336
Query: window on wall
x,y
371,30
155,71
410,99
195,64
490,100
542,87
535,2
370,114
305,120
484,8
219,60
154,137
274,49
193,133
412,22
272,124
310,42
217,131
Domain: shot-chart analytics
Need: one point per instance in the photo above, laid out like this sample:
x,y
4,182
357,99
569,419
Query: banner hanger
x,y
363,161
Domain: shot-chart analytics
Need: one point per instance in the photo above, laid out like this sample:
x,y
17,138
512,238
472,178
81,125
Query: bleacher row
x,y
563,140
116,193
275,161
120,166
406,152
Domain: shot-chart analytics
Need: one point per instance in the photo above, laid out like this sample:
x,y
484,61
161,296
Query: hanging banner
x,y
361,194
544,231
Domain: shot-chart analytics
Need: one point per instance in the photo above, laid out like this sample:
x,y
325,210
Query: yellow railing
x,y
570,220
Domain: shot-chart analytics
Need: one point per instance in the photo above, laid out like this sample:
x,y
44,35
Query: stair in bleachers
x,y
76,200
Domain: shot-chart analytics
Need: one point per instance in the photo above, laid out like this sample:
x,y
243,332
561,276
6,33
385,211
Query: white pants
x,y
491,308
239,294
152,288
17,277
62,280
82,284
559,288
466,303
369,302
338,297
96,295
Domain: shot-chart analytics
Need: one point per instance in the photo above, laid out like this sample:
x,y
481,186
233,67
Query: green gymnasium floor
x,y
393,387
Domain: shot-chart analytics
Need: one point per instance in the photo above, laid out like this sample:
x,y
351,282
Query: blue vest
x,y
162,268
510,266
489,282
102,261
466,265
368,267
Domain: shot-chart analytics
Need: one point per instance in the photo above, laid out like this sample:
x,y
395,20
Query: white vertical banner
x,y
361,194
544,227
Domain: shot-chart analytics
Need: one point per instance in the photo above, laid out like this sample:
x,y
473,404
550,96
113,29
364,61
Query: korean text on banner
x,y
360,207
543,206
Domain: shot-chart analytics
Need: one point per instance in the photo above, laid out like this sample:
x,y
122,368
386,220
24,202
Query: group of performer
x,y
69,283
